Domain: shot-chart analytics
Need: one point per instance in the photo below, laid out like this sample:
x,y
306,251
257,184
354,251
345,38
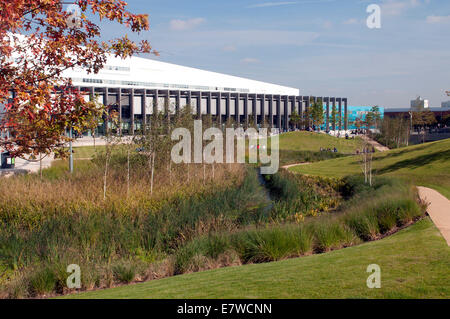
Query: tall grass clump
x,y
374,211
370,213
331,234
272,244
111,240
295,194
181,226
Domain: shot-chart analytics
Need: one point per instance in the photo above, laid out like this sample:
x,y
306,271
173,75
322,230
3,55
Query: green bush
x,y
364,224
42,281
331,234
124,272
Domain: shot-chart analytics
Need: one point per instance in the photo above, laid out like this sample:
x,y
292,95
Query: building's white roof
x,y
136,72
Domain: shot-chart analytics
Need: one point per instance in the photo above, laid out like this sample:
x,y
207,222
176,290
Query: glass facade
x,y
159,85
353,113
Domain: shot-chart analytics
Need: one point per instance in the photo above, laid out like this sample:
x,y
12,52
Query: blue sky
x,y
322,47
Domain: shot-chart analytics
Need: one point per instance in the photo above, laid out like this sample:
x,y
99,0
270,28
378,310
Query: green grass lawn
x,y
414,264
292,146
301,146
309,141
425,164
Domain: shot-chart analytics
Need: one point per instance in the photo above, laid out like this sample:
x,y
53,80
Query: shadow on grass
x,y
417,161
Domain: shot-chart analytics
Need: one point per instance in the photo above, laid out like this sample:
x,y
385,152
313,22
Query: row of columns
x,y
295,102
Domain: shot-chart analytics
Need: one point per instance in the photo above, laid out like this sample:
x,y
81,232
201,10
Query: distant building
x,y
419,104
354,112
439,112
445,104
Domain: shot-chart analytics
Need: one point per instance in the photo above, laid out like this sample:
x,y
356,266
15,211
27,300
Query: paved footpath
x,y
378,146
439,210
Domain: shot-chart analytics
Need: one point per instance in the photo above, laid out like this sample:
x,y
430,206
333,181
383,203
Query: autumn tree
x,y
316,112
358,123
422,120
334,114
39,39
373,117
295,119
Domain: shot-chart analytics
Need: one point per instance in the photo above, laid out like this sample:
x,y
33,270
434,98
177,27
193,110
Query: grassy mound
x,y
426,165
405,273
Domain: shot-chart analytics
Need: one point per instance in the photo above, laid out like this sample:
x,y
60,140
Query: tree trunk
x,y
153,171
40,165
106,174
128,172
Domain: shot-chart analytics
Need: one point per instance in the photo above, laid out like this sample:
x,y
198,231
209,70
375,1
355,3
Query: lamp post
x,y
70,151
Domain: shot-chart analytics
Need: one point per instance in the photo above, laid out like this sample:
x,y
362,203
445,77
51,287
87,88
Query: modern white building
x,y
140,73
140,87
419,104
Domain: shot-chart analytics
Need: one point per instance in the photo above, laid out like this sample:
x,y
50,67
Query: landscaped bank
x,y
414,263
137,237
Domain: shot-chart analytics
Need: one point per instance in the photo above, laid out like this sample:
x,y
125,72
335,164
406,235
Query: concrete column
x,y
105,103
155,102
333,105
345,114
300,107
236,110
91,93
199,105
177,101
279,112
340,113
219,108
327,114
189,98
293,105
131,97
208,103
263,98
227,106
144,110
307,105
271,111
254,110
119,103
246,109
286,113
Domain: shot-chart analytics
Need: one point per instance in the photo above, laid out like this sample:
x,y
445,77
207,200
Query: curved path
x,y
296,164
438,209
378,146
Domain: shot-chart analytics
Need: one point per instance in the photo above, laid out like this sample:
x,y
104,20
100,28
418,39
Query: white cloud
x,y
249,60
351,21
284,3
271,4
180,25
218,39
229,48
438,19
394,8
327,24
